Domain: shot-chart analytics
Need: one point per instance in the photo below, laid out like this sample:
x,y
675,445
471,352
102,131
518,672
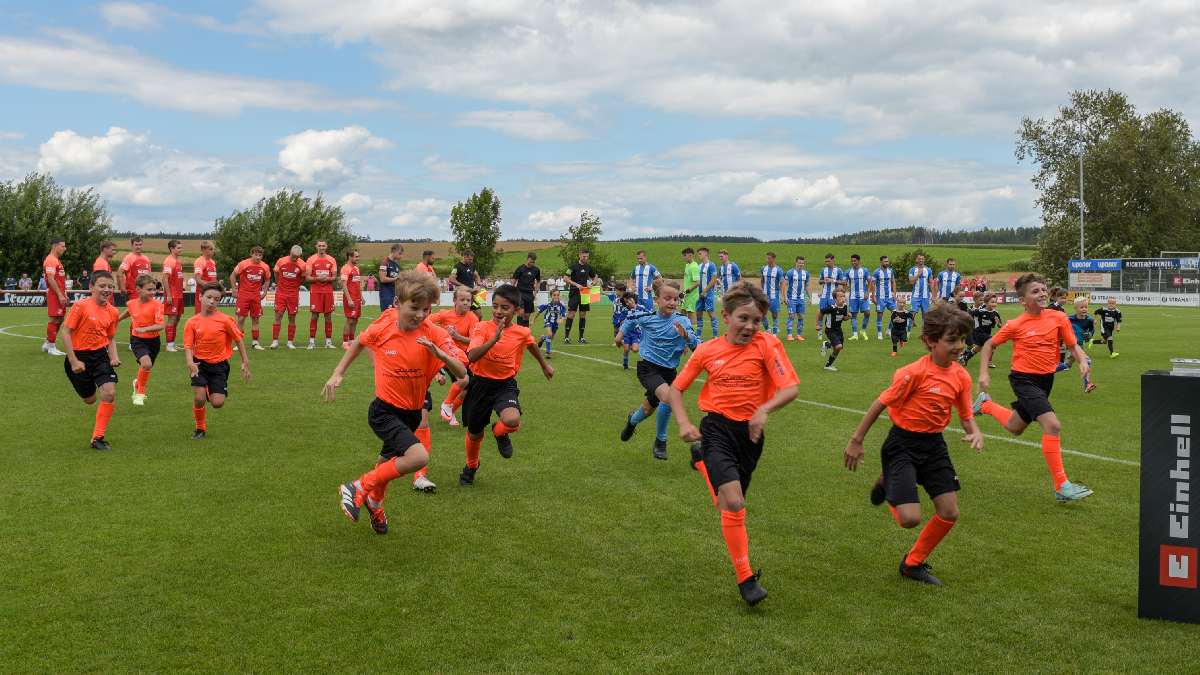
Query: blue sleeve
x,y
737,271
629,325
841,274
654,272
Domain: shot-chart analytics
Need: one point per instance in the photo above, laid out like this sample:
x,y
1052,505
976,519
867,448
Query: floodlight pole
x,y
1081,256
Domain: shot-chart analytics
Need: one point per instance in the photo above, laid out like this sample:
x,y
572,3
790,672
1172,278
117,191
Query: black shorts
x,y
911,459
527,302
145,347
834,336
900,335
394,426
214,376
729,454
1033,394
652,376
97,371
573,302
485,396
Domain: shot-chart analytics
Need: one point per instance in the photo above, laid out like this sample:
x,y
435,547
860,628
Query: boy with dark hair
x,y
526,278
772,280
208,341
883,290
251,279
148,320
749,377
1110,325
458,321
858,280
706,301
832,317
797,299
901,321
915,453
986,320
1035,335
91,353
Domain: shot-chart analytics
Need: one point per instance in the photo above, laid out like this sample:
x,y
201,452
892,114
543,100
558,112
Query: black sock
x,y
894,342
582,326
1110,347
967,356
569,322
832,358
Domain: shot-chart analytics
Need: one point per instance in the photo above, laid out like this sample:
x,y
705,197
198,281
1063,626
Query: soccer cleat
x,y
345,344
467,477
235,348
45,346
291,345
865,337
504,445
423,484
567,340
697,455
800,338
351,496
991,365
1072,492
583,341
1062,366
1111,356
312,344
171,347
329,343
854,337
919,573
99,443
879,336
982,398
447,413
660,449
791,338
274,344
751,591
139,399
378,516
256,346
878,493
54,351
198,434
893,353
627,432
831,368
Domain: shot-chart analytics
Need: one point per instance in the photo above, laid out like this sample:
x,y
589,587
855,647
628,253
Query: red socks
x,y
997,411
422,434
143,376
328,326
930,536
502,429
103,414
473,451
198,413
1052,451
275,332
52,332
292,332
170,333
312,328
733,526
254,334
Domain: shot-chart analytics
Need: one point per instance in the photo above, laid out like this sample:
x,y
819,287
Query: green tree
x,y
1141,180
585,236
277,223
475,227
38,210
903,263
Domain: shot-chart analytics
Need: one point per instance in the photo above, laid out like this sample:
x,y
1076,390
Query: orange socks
x,y
895,514
143,376
473,451
377,479
996,410
931,535
423,436
198,413
1052,451
502,429
704,472
733,526
452,395
103,414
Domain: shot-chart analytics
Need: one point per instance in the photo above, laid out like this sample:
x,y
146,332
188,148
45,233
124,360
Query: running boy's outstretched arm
x,y
453,365
853,455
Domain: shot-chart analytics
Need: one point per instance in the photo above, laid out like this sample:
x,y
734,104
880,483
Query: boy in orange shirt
x,y
458,321
408,353
497,347
749,377
91,353
1035,335
208,339
149,319
918,402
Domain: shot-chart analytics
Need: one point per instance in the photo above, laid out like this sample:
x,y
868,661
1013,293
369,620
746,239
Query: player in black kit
x,y
466,276
526,278
900,321
579,275
987,319
831,319
1110,324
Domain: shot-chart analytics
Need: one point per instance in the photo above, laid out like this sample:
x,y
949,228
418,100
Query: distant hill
x,y
992,236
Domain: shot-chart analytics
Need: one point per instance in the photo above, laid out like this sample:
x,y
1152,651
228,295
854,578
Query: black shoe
x,y
627,432
197,434
753,593
919,573
697,455
583,341
467,477
99,443
504,445
878,494
660,449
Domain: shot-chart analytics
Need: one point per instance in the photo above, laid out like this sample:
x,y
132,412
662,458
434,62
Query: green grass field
x,y
579,554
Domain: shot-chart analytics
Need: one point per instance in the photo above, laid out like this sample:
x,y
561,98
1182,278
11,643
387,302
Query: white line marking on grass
x,y
830,406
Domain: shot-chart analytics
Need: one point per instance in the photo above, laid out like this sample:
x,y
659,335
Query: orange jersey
x,y
143,314
352,280
288,275
53,268
92,325
503,360
427,269
207,269
922,392
740,377
1035,340
403,368
135,265
321,271
211,337
464,323
101,263
250,277
173,276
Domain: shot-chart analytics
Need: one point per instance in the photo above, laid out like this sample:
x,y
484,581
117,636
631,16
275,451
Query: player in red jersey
x,y
351,280
251,277
459,321
103,261
408,353
289,274
172,290
205,271
133,265
91,353
56,295
321,272
208,340
148,320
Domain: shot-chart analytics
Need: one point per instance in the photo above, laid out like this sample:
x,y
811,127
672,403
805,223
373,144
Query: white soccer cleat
x,y
274,344
423,484
45,346
448,415
235,348
329,343
879,336
257,346
831,368
139,399
53,351
171,347
312,344
291,345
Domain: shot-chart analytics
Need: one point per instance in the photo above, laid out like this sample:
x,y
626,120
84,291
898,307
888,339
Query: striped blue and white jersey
x,y
828,280
947,282
643,280
708,270
772,279
858,282
883,283
921,279
797,284
730,274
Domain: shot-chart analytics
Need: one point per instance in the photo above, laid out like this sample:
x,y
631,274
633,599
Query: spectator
x,y
10,284
42,283
70,283
25,284
85,280
191,284
371,283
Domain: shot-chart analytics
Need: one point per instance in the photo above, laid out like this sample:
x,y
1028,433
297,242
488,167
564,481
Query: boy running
x,y
172,277
551,313
914,453
1110,325
625,309
772,280
251,278
1084,327
320,273
91,353
56,295
831,321
858,282
289,274
148,320
797,299
497,347
883,291
706,300
208,340
986,320
901,321
1035,335
408,352
351,280
458,321
749,377
665,335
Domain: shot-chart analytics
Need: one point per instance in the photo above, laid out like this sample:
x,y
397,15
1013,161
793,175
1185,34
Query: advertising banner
x,y
1094,265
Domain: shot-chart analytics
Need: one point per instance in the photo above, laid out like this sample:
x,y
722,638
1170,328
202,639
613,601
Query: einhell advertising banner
x,y
1168,578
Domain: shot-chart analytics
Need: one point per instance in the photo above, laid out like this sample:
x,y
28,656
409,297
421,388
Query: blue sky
x,y
709,117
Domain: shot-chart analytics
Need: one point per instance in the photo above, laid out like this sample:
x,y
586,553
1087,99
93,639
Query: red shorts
x,y
353,309
251,306
287,303
175,308
321,302
54,306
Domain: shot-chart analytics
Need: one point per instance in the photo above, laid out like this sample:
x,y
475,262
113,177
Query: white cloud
x,y
535,125
821,193
67,152
453,172
131,15
75,62
327,156
354,202
420,216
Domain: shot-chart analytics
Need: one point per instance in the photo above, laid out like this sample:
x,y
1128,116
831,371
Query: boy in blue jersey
x,y
626,307
883,292
797,299
728,271
948,280
1084,328
665,335
831,279
551,313
641,281
707,299
772,280
921,277
857,281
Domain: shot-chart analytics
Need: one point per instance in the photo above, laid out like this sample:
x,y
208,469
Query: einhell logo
x,y
1177,564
